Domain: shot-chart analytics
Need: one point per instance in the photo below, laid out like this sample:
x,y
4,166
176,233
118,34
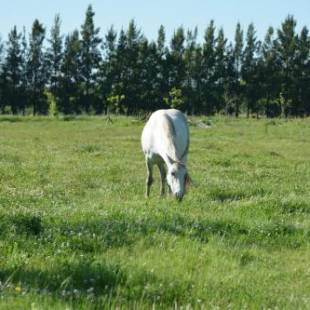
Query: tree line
x,y
124,72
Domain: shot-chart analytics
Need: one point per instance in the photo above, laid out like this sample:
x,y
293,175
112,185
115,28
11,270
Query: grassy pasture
x,y
77,232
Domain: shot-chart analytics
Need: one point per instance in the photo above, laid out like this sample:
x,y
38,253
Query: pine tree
x,y
163,68
13,67
69,92
110,42
197,105
190,87
1,50
232,84
152,66
37,70
269,69
131,74
2,78
149,85
237,63
208,69
287,49
249,71
120,73
90,59
302,69
24,87
220,70
161,39
132,82
108,66
175,61
54,57
127,75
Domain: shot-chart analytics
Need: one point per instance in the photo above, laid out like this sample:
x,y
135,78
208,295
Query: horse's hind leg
x,y
149,178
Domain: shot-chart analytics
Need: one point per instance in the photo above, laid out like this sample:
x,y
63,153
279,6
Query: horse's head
x,y
177,178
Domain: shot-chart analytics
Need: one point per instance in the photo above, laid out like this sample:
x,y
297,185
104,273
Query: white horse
x,y
165,140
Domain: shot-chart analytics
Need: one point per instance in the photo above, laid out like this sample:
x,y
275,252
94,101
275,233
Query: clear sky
x,y
149,15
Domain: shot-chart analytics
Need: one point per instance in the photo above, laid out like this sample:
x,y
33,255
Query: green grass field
x,y
77,232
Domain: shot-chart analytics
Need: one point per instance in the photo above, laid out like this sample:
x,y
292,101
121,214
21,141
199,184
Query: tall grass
x,y
77,232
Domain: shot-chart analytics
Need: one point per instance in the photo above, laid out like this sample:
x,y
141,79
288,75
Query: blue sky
x,y
149,15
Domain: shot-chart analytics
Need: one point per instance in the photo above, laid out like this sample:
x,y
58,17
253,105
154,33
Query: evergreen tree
x,y
237,64
24,87
175,61
161,39
13,68
127,67
129,74
120,71
163,68
190,87
108,66
220,70
231,81
2,78
54,57
131,78
69,93
1,50
90,60
208,70
302,69
269,81
197,105
149,87
249,71
37,74
287,49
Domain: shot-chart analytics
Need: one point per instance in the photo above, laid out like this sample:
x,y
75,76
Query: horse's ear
x,y
188,180
172,161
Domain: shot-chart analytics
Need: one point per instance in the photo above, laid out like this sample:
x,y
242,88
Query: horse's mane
x,y
170,134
